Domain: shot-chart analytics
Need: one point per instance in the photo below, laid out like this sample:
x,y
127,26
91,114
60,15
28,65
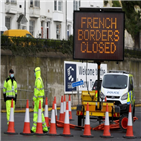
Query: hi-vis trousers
x,y
35,116
8,108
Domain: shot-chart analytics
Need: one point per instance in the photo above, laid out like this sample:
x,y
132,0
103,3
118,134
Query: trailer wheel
x,y
123,121
79,120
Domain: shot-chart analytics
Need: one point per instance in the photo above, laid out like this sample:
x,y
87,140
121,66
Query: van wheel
x,y
123,121
79,120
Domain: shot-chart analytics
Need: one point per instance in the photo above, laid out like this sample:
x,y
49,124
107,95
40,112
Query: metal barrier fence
x,y
21,99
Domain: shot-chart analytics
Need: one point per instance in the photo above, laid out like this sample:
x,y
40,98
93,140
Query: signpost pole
x,y
98,78
78,92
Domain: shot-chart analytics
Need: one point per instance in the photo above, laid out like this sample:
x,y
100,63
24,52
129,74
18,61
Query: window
x,y
31,3
47,30
58,31
7,22
58,5
12,1
31,27
55,5
76,4
68,31
35,3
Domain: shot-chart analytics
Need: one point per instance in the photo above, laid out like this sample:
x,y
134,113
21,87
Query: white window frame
x,y
58,31
35,3
48,27
32,26
76,4
9,25
58,5
11,1
55,5
68,30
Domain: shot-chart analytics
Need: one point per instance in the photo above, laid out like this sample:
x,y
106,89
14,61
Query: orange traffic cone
x,y
26,129
61,118
66,131
46,113
52,131
105,99
129,132
55,108
11,129
70,113
64,105
87,128
39,129
107,133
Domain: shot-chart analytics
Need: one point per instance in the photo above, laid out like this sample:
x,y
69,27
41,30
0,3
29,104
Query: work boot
x,y
45,131
31,131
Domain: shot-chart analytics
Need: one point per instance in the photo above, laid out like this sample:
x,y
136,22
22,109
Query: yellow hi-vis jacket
x,y
10,89
39,87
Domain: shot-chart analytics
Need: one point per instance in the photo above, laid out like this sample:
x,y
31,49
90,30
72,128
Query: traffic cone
x,y
87,128
26,129
61,117
52,131
105,99
46,113
70,113
64,105
55,108
11,129
39,129
129,132
107,133
66,131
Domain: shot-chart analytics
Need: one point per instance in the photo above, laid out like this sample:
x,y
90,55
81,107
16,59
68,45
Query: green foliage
x,y
132,18
132,53
23,46
105,2
31,46
116,4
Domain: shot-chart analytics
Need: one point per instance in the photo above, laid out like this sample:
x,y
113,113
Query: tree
x,y
132,18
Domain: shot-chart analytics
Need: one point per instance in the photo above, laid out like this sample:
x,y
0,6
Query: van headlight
x,y
102,95
125,96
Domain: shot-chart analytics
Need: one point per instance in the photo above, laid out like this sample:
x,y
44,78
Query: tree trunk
x,y
137,41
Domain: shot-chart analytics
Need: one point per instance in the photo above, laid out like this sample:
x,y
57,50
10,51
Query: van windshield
x,y
115,81
29,36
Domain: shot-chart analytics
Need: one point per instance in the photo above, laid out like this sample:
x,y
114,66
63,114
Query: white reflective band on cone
x,y
12,115
107,118
46,110
67,117
27,115
87,120
69,105
64,106
130,119
55,109
39,116
61,109
53,116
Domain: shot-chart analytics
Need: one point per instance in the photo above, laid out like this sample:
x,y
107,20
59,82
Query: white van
x,y
115,86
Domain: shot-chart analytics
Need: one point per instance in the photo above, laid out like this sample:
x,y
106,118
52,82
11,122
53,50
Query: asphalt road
x,y
19,123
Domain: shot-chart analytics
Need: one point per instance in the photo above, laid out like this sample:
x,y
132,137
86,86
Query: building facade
x,y
49,19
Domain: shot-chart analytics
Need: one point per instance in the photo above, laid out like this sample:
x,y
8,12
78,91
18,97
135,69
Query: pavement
x,y
19,124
